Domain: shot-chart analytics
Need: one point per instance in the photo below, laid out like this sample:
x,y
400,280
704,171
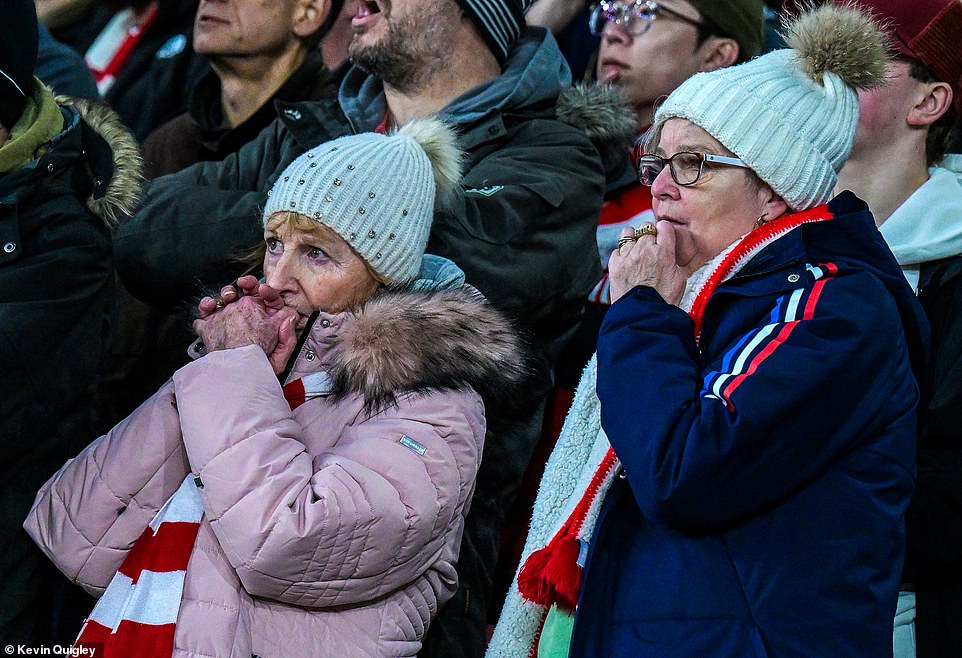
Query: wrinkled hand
x,y
647,261
246,286
256,317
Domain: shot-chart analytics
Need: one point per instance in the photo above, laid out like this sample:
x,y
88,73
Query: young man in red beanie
x,y
900,167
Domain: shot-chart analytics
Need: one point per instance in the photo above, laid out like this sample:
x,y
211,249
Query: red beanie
x,y
929,31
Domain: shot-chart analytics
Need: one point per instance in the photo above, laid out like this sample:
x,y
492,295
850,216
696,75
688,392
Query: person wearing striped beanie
x,y
499,22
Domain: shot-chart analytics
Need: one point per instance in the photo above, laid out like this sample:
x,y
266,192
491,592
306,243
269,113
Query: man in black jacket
x,y
259,53
520,227
65,172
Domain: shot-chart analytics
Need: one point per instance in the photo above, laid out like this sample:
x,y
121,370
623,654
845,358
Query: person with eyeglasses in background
x,y
733,476
569,21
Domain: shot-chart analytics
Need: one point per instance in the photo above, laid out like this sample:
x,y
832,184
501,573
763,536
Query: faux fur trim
x,y
840,39
604,115
416,341
125,189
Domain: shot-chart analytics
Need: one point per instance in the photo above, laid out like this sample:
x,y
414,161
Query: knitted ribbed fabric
x,y
376,191
792,131
500,22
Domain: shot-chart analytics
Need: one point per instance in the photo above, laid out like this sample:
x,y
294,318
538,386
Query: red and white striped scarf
x,y
137,614
138,610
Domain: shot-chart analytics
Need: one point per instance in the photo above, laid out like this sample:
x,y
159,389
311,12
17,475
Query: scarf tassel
x,y
551,575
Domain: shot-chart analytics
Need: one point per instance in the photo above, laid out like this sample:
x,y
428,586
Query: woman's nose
x,y
278,273
664,184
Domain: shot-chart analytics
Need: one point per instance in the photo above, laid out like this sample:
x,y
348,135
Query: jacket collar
x,y
920,230
415,340
206,111
535,73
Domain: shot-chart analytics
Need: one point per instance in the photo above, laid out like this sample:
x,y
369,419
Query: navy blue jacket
x,y
767,470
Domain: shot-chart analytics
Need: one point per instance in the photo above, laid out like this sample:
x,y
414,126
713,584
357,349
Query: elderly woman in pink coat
x,y
300,488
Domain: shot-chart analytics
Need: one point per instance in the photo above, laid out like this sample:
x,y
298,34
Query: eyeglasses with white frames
x,y
686,167
635,17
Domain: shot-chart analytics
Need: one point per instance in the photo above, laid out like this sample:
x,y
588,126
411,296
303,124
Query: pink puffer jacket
x,y
324,534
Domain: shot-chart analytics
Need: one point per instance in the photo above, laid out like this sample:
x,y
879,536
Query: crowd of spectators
x,y
481,327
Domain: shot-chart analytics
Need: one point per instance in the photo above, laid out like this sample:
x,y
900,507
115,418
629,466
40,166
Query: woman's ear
x,y
772,205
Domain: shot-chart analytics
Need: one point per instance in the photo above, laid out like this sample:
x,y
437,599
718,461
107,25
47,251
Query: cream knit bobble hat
x,y
791,114
378,192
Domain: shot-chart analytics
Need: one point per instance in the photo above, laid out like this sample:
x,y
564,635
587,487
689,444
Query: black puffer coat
x,y
56,280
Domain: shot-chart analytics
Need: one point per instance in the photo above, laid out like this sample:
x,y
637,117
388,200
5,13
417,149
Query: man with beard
x,y
520,226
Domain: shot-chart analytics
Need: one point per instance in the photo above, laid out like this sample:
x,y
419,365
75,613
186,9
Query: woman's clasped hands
x,y
248,313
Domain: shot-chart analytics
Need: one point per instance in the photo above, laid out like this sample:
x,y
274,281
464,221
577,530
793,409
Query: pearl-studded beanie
x,y
378,192
791,114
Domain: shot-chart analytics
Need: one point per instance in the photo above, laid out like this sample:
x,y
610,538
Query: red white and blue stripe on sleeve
x,y
751,351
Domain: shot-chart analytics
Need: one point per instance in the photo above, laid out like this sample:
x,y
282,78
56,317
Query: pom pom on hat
x,y
791,114
839,40
378,192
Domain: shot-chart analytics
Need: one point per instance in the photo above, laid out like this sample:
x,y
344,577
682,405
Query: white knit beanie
x,y
791,114
378,192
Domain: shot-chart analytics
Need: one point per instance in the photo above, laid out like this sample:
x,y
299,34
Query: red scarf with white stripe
x,y
137,614
552,575
138,610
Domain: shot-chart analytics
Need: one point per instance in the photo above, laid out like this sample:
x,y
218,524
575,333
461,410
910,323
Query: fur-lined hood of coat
x,y
417,340
119,178
604,115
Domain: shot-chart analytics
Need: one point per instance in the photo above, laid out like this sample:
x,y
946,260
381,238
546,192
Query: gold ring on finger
x,y
646,229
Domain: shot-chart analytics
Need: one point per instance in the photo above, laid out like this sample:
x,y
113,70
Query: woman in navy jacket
x,y
757,384
767,436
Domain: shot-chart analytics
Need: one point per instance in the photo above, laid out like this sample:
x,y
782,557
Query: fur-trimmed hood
x,y
419,340
604,115
122,180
